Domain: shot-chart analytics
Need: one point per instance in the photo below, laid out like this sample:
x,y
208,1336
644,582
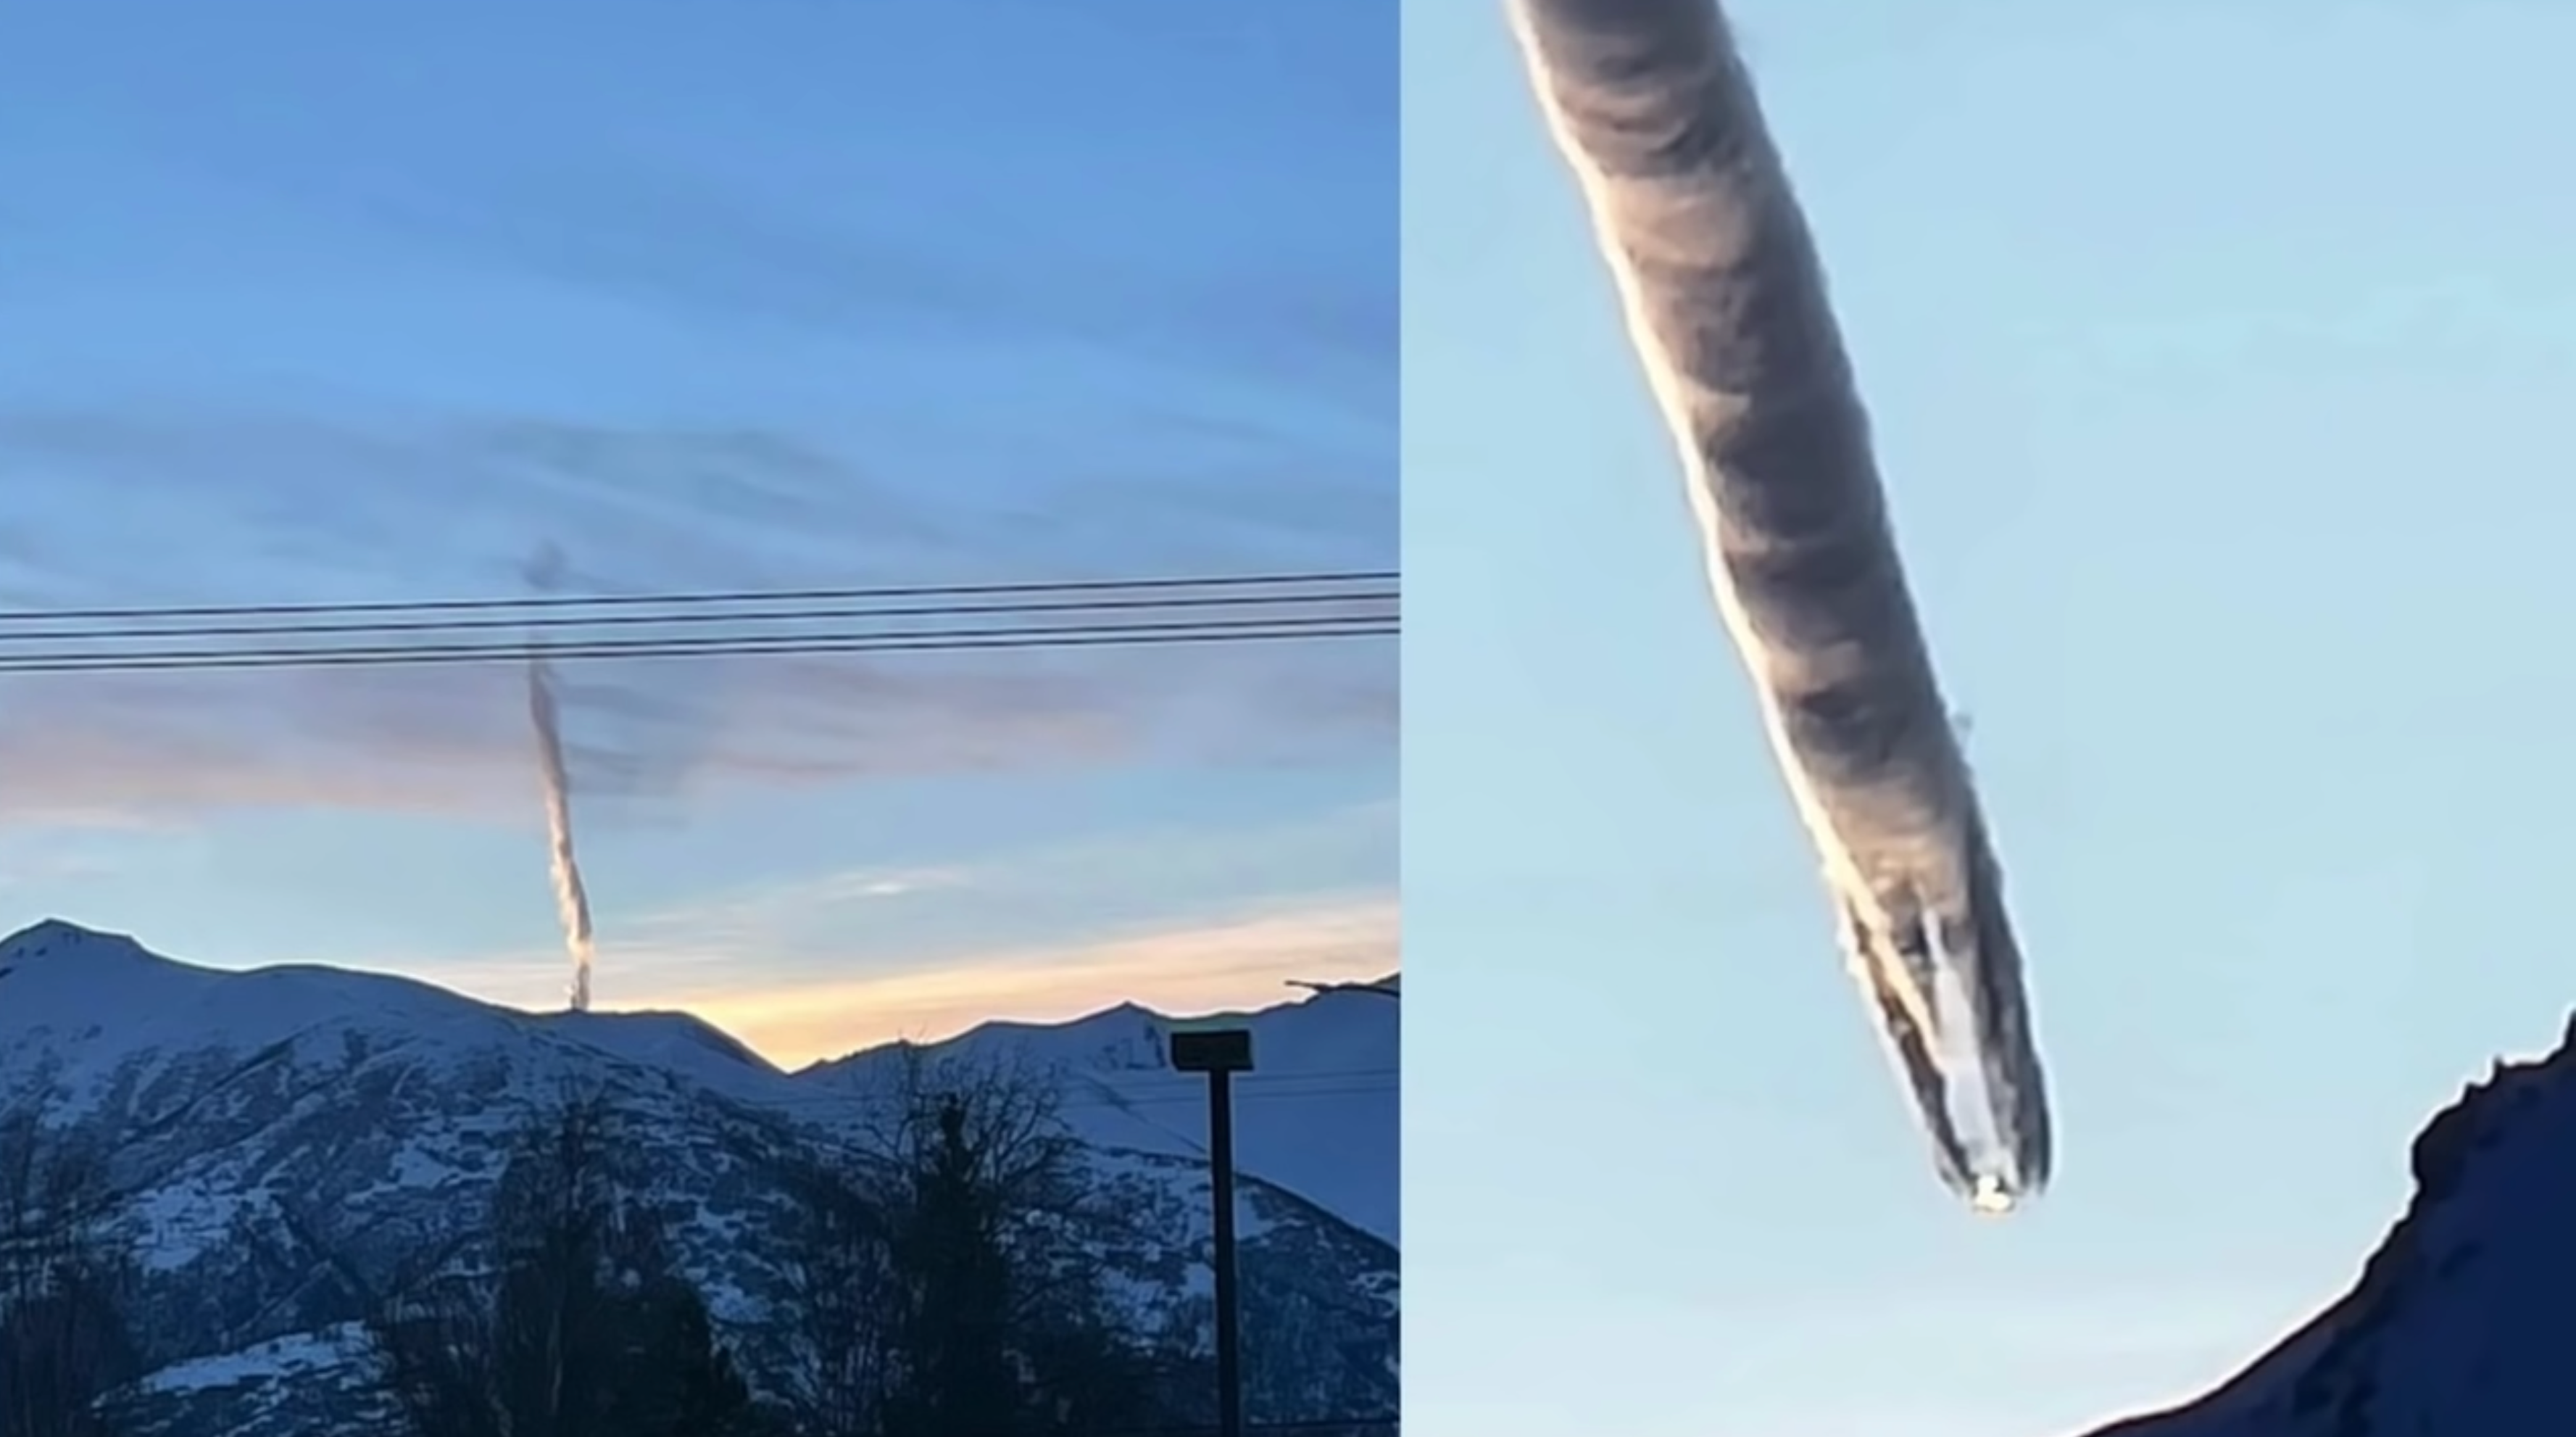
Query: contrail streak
x,y
572,900
1651,106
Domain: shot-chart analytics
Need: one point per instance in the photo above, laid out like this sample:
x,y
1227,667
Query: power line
x,y
687,615
1155,1100
804,1107
697,599
1342,1083
918,641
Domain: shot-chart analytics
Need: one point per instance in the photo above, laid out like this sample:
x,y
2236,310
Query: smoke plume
x,y
572,900
1651,107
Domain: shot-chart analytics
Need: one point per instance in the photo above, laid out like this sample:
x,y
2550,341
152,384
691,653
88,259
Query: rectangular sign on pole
x,y
1211,1050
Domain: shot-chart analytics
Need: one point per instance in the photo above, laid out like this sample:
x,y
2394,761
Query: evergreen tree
x,y
955,1326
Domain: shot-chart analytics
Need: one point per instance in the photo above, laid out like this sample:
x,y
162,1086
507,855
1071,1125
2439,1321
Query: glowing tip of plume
x,y
1992,1199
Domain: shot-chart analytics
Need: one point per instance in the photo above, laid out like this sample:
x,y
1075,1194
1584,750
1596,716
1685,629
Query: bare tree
x,y
581,1325
435,1340
841,1286
555,1226
949,1268
63,1339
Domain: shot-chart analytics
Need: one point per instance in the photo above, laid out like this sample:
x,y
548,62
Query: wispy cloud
x,y
686,510
121,747
324,499
818,297
901,178
921,918
807,326
816,965
732,254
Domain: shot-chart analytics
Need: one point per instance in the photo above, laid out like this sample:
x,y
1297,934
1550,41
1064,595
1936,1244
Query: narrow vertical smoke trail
x,y
572,900
1651,107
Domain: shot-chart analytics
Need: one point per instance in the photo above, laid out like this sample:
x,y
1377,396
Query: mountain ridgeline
x,y
2464,1320
302,1200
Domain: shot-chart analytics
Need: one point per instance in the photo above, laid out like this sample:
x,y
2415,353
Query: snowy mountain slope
x,y
1318,1116
92,1008
2464,1321
283,1140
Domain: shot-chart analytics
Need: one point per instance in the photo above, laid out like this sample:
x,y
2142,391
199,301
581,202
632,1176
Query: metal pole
x,y
1229,1333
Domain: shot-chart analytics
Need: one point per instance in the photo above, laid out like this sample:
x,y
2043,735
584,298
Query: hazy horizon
x,y
948,1012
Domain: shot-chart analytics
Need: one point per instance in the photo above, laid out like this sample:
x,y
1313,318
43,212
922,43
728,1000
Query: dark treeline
x,y
943,1274
63,1341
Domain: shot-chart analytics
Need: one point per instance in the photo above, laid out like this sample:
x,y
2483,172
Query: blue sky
x,y
2214,353
308,302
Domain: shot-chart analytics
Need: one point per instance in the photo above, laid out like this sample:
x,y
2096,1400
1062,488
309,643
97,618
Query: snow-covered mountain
x,y
1317,1116
283,1138
2464,1322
